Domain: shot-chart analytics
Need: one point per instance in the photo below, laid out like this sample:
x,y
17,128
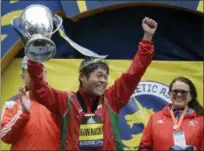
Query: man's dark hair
x,y
88,65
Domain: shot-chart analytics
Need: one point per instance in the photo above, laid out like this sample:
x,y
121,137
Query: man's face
x,y
96,83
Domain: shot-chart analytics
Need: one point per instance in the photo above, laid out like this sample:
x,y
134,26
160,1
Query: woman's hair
x,y
193,103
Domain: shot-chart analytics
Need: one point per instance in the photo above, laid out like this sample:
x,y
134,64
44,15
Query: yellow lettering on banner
x,y
3,36
81,5
91,132
13,1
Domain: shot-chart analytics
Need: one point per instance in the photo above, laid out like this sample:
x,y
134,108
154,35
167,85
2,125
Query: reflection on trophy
x,y
35,26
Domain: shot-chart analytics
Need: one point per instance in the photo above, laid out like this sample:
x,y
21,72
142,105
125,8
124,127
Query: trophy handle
x,y
57,19
20,26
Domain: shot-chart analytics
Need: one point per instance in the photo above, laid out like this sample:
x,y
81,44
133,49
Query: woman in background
x,y
180,125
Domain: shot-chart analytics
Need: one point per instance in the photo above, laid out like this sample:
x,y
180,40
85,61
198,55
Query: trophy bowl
x,y
37,23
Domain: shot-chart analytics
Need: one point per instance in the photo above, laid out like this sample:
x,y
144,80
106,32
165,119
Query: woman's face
x,y
180,94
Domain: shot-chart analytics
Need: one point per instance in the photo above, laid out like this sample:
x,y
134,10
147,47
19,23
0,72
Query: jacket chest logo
x,y
193,123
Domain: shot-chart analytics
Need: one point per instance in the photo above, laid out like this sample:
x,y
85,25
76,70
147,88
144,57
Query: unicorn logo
x,y
149,97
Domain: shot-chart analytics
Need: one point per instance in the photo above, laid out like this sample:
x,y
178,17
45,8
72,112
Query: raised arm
x,y
119,94
54,100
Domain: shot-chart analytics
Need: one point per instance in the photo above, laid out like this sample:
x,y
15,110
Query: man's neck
x,y
93,97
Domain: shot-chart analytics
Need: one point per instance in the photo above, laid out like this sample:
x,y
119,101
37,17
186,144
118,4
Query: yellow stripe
x,y
93,137
13,1
88,126
7,18
200,6
3,36
82,5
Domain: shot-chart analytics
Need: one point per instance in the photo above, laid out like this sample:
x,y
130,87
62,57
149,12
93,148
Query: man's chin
x,y
99,93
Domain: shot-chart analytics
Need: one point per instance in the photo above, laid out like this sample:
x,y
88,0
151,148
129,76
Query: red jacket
x,y
117,96
158,134
34,130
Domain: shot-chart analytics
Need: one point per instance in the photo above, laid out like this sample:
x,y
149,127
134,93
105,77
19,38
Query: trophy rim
x,y
36,5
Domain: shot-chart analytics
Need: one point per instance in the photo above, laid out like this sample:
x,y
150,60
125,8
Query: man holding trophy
x,y
90,115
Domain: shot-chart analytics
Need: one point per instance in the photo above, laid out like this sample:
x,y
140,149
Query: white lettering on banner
x,y
152,88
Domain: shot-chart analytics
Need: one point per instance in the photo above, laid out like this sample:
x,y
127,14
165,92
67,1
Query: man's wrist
x,y
147,37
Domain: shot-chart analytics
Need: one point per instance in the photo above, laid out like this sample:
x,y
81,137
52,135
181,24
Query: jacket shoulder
x,y
157,115
164,113
11,101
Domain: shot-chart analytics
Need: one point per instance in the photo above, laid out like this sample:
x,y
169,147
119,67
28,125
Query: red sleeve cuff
x,y
147,42
33,63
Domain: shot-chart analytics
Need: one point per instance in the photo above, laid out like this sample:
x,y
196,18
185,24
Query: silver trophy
x,y
35,25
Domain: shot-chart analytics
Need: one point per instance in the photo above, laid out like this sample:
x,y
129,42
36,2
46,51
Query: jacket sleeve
x,y
120,92
54,100
12,123
202,143
146,141
202,132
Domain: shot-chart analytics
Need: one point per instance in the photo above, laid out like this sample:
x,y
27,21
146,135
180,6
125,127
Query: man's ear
x,y
22,77
82,77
